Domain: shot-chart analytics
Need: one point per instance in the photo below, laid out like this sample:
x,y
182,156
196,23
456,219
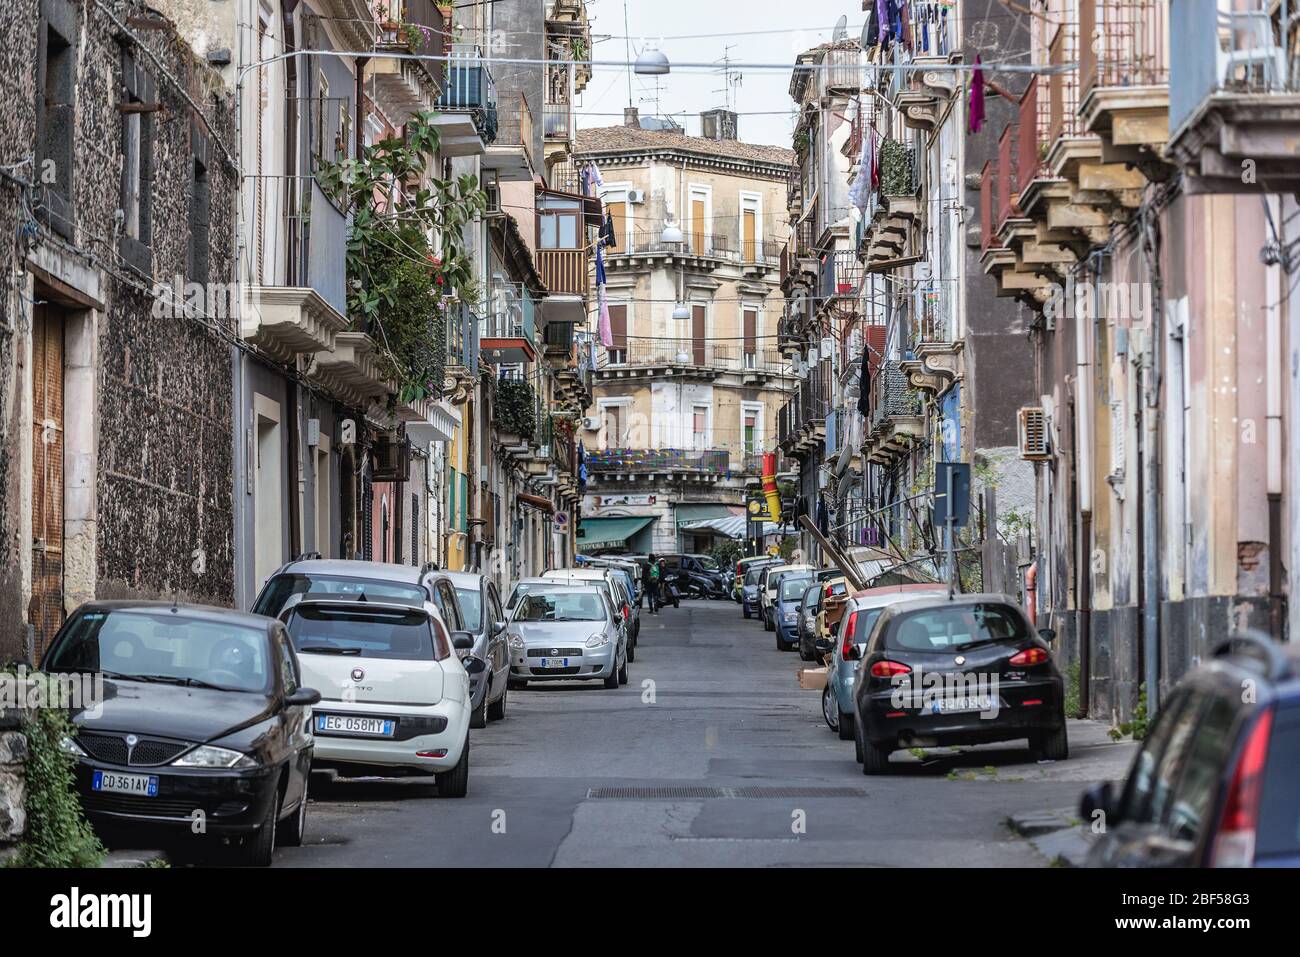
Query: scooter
x,y
670,591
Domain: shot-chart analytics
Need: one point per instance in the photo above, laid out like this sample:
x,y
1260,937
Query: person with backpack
x,y
650,581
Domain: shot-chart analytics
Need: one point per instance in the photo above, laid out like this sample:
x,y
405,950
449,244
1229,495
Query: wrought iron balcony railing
x,y
470,88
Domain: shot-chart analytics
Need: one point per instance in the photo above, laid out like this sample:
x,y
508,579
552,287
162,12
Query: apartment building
x,y
687,392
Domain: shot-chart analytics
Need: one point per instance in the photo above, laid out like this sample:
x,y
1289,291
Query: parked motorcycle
x,y
670,590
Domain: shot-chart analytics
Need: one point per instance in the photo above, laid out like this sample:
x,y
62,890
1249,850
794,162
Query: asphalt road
x,y
719,758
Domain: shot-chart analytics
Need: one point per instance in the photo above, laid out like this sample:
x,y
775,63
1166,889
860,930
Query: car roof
x,y
575,590
353,604
957,601
590,574
355,569
880,597
189,610
463,579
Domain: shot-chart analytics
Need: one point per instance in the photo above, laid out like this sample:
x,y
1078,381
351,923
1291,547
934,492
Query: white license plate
x,y
555,662
144,785
960,704
350,724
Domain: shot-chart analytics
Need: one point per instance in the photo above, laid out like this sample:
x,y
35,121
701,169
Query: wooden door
x,y
697,335
697,226
618,215
46,608
749,236
751,337
618,332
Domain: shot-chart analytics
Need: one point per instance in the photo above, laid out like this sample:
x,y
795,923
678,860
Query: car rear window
x,y
397,633
562,606
471,607
863,624
1279,809
792,589
951,627
279,589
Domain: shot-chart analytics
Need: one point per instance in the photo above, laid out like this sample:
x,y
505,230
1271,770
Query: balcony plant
x,y
895,169
407,263
516,408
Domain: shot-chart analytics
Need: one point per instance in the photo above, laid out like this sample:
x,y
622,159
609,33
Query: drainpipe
x,y
1275,375
1083,485
1151,468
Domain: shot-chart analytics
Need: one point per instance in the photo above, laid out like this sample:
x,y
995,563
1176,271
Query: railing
x,y
1063,86
841,70
1008,144
470,87
761,251
931,320
512,312
557,338
515,122
1034,136
564,448
840,274
890,394
301,238
646,239
990,183
658,460
794,188
1242,51
557,121
564,178
462,339
1126,43
701,354
564,271
418,27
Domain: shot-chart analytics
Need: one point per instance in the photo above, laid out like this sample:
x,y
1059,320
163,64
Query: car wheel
x,y
874,760
631,652
857,742
844,725
517,683
479,717
803,655
455,783
622,672
1051,745
829,709
780,645
258,847
745,611
497,709
291,835
612,680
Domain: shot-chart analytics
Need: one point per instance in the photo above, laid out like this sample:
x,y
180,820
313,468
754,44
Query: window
x,y
343,142
284,658
618,331
318,121
200,208
751,433
137,109
699,219
749,324
613,426
750,213
559,223
55,102
1194,795
699,427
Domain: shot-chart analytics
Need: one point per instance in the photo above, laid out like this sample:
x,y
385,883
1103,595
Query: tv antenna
x,y
731,79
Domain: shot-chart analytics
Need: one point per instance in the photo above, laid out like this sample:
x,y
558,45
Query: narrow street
x,y
712,772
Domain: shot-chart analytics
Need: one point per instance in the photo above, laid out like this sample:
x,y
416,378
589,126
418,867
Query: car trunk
x,y
383,680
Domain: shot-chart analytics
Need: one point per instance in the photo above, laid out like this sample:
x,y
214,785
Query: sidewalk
x,y
1059,834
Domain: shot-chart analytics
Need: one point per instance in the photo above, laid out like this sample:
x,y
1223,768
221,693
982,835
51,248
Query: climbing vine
x,y
407,263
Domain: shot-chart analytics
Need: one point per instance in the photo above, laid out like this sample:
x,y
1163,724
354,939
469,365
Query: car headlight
x,y
68,745
517,642
208,756
790,616
597,641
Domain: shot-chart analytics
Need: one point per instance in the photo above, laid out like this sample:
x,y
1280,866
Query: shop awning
x,y
691,512
609,532
733,526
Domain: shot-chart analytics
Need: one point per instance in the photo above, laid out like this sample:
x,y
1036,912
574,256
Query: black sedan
x,y
937,672
204,726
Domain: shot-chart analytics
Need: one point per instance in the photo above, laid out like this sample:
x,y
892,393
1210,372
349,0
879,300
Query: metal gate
x,y
46,609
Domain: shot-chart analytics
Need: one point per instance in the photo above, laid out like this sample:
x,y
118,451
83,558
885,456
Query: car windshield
x,y
792,589
400,633
561,606
279,589
471,607
754,575
166,647
707,563
955,626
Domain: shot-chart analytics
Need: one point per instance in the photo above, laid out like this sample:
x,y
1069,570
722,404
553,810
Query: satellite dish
x,y
866,28
841,28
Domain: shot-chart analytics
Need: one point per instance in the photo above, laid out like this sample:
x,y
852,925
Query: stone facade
x,y
13,757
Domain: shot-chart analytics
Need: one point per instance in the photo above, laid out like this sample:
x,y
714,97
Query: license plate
x,y
960,704
555,662
350,724
143,785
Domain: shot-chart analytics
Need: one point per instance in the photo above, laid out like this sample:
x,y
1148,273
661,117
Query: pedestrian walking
x,y
650,581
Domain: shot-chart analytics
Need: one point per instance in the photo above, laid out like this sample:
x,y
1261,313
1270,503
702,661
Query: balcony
x,y
573,379
516,416
936,352
622,465
511,154
354,20
1235,96
801,423
564,271
557,121
403,88
839,275
509,330
896,206
689,358
461,370
895,422
1124,76
467,117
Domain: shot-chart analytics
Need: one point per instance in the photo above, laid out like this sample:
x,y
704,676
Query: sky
x,y
763,94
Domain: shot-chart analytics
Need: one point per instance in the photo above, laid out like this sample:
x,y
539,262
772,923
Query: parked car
x,y
698,576
632,568
785,610
850,636
815,624
768,585
1009,685
488,662
567,633
743,566
396,697
204,710
807,622
619,594
750,606
344,579
1214,783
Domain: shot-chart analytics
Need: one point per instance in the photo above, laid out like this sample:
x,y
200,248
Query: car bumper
x,y
787,631
592,663
230,802
426,739
1016,716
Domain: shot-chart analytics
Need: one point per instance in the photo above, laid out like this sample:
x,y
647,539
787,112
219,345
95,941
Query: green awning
x,y
690,512
609,532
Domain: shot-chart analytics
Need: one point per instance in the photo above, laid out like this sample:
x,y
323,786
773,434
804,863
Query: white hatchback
x,y
394,695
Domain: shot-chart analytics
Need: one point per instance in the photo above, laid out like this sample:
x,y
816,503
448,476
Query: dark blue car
x,y
1216,780
785,610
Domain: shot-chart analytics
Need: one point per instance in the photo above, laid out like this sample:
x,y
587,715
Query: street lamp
x,y
672,232
651,62
680,312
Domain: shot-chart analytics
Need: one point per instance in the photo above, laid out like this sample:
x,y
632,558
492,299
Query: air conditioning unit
x,y
636,196
591,423
1033,434
391,460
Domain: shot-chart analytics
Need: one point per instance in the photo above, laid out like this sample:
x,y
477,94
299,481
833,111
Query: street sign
x,y
758,510
951,485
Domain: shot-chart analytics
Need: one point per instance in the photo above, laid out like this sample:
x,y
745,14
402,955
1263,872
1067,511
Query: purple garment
x,y
975,115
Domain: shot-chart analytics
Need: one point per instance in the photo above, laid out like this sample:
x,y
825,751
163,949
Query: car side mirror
x,y
1047,634
462,640
1099,797
302,698
498,627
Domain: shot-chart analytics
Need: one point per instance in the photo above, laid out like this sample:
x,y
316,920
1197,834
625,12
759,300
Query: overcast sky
x,y
798,26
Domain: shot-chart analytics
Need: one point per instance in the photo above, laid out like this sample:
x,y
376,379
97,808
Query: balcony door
x,y
699,353
749,322
45,612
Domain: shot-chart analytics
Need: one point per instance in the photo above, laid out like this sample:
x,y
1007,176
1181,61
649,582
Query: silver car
x,y
571,633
